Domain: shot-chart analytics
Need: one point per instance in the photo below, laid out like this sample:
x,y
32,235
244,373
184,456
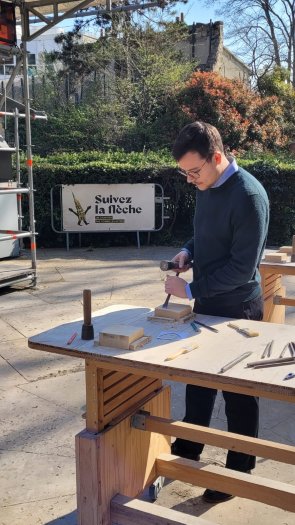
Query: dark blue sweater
x,y
230,229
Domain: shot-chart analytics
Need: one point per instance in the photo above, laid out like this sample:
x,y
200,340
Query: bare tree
x,y
263,32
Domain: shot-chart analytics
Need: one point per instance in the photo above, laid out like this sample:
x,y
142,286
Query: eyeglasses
x,y
195,172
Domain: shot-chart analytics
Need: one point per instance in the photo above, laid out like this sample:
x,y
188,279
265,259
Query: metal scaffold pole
x,y
29,143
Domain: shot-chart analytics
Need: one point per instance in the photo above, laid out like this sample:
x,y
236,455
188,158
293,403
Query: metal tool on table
x,y
195,327
87,328
245,331
234,362
267,351
206,326
271,362
290,347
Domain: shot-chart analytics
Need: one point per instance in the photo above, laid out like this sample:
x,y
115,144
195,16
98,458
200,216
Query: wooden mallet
x,y
87,328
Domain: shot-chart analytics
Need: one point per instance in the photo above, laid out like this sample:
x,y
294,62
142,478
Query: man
x,y
230,229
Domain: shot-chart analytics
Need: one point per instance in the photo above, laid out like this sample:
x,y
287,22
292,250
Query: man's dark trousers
x,y
242,411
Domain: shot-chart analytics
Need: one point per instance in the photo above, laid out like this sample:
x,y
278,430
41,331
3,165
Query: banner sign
x,y
108,207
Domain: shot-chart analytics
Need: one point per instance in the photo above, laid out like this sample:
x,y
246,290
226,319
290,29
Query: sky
x,y
194,11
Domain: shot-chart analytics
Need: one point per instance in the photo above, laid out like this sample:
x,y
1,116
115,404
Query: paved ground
x,y
42,395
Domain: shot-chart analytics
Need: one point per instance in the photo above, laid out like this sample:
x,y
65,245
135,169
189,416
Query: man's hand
x,y
182,259
176,286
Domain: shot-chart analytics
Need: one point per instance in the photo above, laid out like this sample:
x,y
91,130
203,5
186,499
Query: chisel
x,y
234,362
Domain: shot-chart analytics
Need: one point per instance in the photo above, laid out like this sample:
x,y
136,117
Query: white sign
x,y
108,207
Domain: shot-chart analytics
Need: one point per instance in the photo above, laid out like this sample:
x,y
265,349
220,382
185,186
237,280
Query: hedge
x,y
277,176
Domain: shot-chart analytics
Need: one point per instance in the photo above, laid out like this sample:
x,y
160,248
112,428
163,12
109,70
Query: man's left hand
x,y
176,286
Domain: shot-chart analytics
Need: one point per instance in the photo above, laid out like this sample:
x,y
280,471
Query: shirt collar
x,y
228,172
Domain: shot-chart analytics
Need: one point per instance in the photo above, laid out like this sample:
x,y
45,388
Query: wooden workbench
x,y
274,293
123,450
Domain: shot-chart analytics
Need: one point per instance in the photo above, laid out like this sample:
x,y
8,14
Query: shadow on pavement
x,y
67,519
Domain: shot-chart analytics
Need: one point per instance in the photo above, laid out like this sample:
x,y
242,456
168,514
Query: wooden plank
x,y
286,249
126,511
120,459
285,268
136,385
271,287
131,403
222,439
276,257
274,313
94,396
112,379
119,387
286,301
274,493
88,495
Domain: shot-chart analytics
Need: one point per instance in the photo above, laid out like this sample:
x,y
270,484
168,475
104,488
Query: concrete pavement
x,y
42,395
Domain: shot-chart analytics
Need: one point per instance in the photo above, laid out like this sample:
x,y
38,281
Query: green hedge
x,y
276,175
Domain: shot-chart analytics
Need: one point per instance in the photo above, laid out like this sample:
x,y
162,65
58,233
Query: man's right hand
x,y
183,260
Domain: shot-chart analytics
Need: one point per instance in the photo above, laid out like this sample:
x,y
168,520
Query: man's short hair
x,y
198,137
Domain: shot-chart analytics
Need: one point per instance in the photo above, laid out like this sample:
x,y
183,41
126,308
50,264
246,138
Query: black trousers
x,y
242,411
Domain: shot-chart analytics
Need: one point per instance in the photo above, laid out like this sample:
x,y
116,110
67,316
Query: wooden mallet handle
x,y
87,307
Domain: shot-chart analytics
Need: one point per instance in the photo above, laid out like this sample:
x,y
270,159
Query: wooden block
x,y
173,311
276,257
286,249
119,336
140,342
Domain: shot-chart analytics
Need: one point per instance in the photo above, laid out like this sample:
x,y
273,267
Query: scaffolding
x,y
49,13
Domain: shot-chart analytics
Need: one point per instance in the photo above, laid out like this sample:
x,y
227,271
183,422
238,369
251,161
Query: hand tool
x,y
280,362
195,328
171,265
206,326
286,347
271,361
267,350
291,375
73,336
165,304
234,362
244,331
87,328
181,352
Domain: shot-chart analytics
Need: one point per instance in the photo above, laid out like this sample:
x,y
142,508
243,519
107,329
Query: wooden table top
x,y
200,366
287,268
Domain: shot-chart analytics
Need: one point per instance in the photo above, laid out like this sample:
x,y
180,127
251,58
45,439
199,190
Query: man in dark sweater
x,y
230,229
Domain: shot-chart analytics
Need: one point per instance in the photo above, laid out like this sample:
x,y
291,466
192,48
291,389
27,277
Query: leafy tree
x,y
126,84
245,119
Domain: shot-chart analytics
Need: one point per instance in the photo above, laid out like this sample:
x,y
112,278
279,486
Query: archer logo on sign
x,y
108,207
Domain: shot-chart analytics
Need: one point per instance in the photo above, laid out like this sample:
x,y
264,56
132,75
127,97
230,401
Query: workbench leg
x,y
120,459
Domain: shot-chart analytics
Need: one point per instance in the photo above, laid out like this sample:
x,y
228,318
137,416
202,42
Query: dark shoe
x,y
214,496
183,453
